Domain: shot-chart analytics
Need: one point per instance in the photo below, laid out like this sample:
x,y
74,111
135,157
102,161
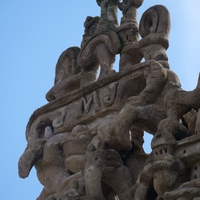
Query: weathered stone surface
x,y
86,143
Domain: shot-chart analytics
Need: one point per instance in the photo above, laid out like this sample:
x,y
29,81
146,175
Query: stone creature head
x,y
90,25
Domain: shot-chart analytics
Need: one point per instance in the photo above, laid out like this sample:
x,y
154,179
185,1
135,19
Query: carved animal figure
x,y
161,98
105,165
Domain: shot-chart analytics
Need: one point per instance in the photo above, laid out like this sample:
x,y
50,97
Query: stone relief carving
x,y
86,143
67,78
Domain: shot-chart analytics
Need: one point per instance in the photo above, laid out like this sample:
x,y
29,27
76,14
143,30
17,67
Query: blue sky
x,y
33,35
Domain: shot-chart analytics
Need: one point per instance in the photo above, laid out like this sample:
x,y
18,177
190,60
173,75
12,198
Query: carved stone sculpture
x,y
86,143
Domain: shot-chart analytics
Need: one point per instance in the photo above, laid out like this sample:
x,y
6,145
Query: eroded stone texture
x,y
86,143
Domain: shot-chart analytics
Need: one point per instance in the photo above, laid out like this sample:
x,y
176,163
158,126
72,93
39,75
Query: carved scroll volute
x,y
154,28
66,74
155,20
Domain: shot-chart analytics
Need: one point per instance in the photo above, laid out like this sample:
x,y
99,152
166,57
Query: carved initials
x,y
86,105
109,99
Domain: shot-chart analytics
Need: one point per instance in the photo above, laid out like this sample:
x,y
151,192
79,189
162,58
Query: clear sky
x,y
33,35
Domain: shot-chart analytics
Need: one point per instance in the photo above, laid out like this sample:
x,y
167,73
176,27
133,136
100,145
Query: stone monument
x,y
86,143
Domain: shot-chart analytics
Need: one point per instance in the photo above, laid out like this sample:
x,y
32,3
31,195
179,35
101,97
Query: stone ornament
x,y
86,143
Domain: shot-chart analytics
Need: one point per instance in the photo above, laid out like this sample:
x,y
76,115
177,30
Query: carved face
x,y
48,132
90,25
92,29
